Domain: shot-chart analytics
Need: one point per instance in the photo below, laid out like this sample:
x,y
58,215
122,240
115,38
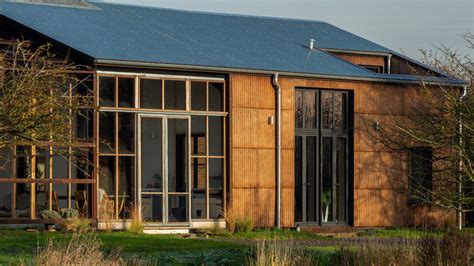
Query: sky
x,y
401,25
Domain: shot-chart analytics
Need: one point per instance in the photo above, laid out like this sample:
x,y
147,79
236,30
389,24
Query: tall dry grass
x,y
81,249
136,224
453,249
274,253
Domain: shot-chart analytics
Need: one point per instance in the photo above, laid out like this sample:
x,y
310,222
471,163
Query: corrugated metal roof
x,y
175,37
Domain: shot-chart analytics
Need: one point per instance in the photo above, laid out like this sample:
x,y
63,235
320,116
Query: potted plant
x,y
51,217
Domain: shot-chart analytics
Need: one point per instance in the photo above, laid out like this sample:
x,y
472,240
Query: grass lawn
x,y
409,233
16,244
274,234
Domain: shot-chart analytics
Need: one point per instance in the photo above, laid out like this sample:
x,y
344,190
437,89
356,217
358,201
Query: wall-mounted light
x,y
270,120
377,126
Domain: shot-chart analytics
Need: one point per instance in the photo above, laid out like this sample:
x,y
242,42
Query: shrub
x,y
76,225
276,253
243,225
68,213
80,249
50,215
456,248
136,224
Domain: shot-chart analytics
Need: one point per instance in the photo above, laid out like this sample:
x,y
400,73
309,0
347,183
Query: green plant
x,y
68,213
243,225
50,215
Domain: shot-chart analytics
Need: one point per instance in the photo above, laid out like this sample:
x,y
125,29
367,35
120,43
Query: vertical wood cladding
x,y
379,182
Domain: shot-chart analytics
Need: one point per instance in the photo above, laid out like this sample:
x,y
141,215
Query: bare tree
x,y
442,123
38,98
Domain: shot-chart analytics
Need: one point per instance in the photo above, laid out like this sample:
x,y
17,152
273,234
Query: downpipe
x,y
460,187
277,88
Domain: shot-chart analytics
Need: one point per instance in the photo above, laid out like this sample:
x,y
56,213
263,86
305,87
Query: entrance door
x,y
321,157
163,172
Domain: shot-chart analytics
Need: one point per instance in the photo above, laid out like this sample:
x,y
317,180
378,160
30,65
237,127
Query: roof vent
x,y
312,44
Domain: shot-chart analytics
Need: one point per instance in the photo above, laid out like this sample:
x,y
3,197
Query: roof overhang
x,y
216,69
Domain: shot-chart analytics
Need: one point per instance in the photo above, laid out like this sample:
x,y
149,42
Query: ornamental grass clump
x,y
274,253
80,249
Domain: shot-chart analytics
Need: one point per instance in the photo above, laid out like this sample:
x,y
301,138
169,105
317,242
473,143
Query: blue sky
x,y
401,25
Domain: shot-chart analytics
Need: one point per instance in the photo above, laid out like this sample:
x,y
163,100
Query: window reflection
x,y
299,109
175,94
309,103
327,110
198,96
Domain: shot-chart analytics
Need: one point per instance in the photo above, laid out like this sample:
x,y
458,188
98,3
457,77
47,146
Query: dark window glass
x,y
215,136
81,198
152,155
309,108
341,178
298,178
177,155
107,91
327,110
216,177
199,177
125,185
421,177
151,93
60,166
216,173
198,173
216,92
23,167
6,159
6,200
199,205
152,208
198,96
59,196
175,94
326,197
84,124
178,208
198,135
126,92
107,132
340,110
311,184
126,124
23,200
299,109
107,175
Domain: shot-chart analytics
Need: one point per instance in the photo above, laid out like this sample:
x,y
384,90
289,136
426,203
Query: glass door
x,y
163,174
322,135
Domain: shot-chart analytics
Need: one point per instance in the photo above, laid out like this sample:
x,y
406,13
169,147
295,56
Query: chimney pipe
x,y
312,43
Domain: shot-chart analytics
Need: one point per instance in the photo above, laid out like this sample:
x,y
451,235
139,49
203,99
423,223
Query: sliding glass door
x,y
164,174
321,156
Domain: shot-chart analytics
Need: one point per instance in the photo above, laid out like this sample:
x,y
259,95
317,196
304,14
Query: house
x,y
198,114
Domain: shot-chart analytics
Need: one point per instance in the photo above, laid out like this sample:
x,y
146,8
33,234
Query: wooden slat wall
x,y
366,60
379,184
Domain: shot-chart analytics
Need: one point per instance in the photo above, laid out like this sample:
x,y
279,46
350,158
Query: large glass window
x,y
107,91
126,92
151,93
321,156
117,151
175,94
